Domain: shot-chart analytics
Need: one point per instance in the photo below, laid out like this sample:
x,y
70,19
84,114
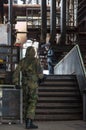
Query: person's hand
x,y
40,80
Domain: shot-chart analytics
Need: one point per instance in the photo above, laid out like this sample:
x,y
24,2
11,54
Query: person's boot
x,y
30,125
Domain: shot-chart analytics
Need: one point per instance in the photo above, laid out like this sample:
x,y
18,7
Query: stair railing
x,y
73,64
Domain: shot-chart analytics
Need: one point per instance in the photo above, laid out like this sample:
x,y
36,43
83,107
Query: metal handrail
x,y
69,65
84,70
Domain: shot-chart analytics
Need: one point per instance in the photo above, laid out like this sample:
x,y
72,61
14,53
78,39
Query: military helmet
x,y
30,52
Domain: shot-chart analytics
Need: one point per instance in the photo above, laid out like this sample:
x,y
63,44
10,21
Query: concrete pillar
x,y
10,22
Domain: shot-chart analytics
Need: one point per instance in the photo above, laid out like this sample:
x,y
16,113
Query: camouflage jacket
x,y
30,70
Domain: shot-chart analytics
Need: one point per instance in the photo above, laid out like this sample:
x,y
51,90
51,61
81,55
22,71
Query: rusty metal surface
x,y
20,10
9,103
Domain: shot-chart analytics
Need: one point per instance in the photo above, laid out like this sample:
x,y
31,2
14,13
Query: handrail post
x,y
21,100
84,105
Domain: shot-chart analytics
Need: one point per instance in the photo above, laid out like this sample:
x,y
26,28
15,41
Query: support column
x,y
84,105
52,21
10,2
10,22
37,1
67,12
1,11
63,21
44,21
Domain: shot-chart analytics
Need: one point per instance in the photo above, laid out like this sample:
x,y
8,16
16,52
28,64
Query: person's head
x,y
30,52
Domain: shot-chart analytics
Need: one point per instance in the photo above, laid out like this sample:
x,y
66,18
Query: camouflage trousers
x,y
30,97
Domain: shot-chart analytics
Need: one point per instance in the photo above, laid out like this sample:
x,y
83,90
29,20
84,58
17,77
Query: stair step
x,y
60,77
59,98
58,94
59,82
59,105
52,85
58,111
59,117
58,89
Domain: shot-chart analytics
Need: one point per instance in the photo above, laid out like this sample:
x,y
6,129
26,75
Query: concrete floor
x,y
49,125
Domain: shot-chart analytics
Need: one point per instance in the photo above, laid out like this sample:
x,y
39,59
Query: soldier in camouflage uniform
x,y
31,72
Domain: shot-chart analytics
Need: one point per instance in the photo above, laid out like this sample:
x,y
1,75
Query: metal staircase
x,y
59,99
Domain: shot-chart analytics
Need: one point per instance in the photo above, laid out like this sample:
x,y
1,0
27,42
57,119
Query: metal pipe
x,y
20,10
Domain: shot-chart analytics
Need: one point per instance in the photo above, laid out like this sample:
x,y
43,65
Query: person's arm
x,y
39,70
16,74
41,76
